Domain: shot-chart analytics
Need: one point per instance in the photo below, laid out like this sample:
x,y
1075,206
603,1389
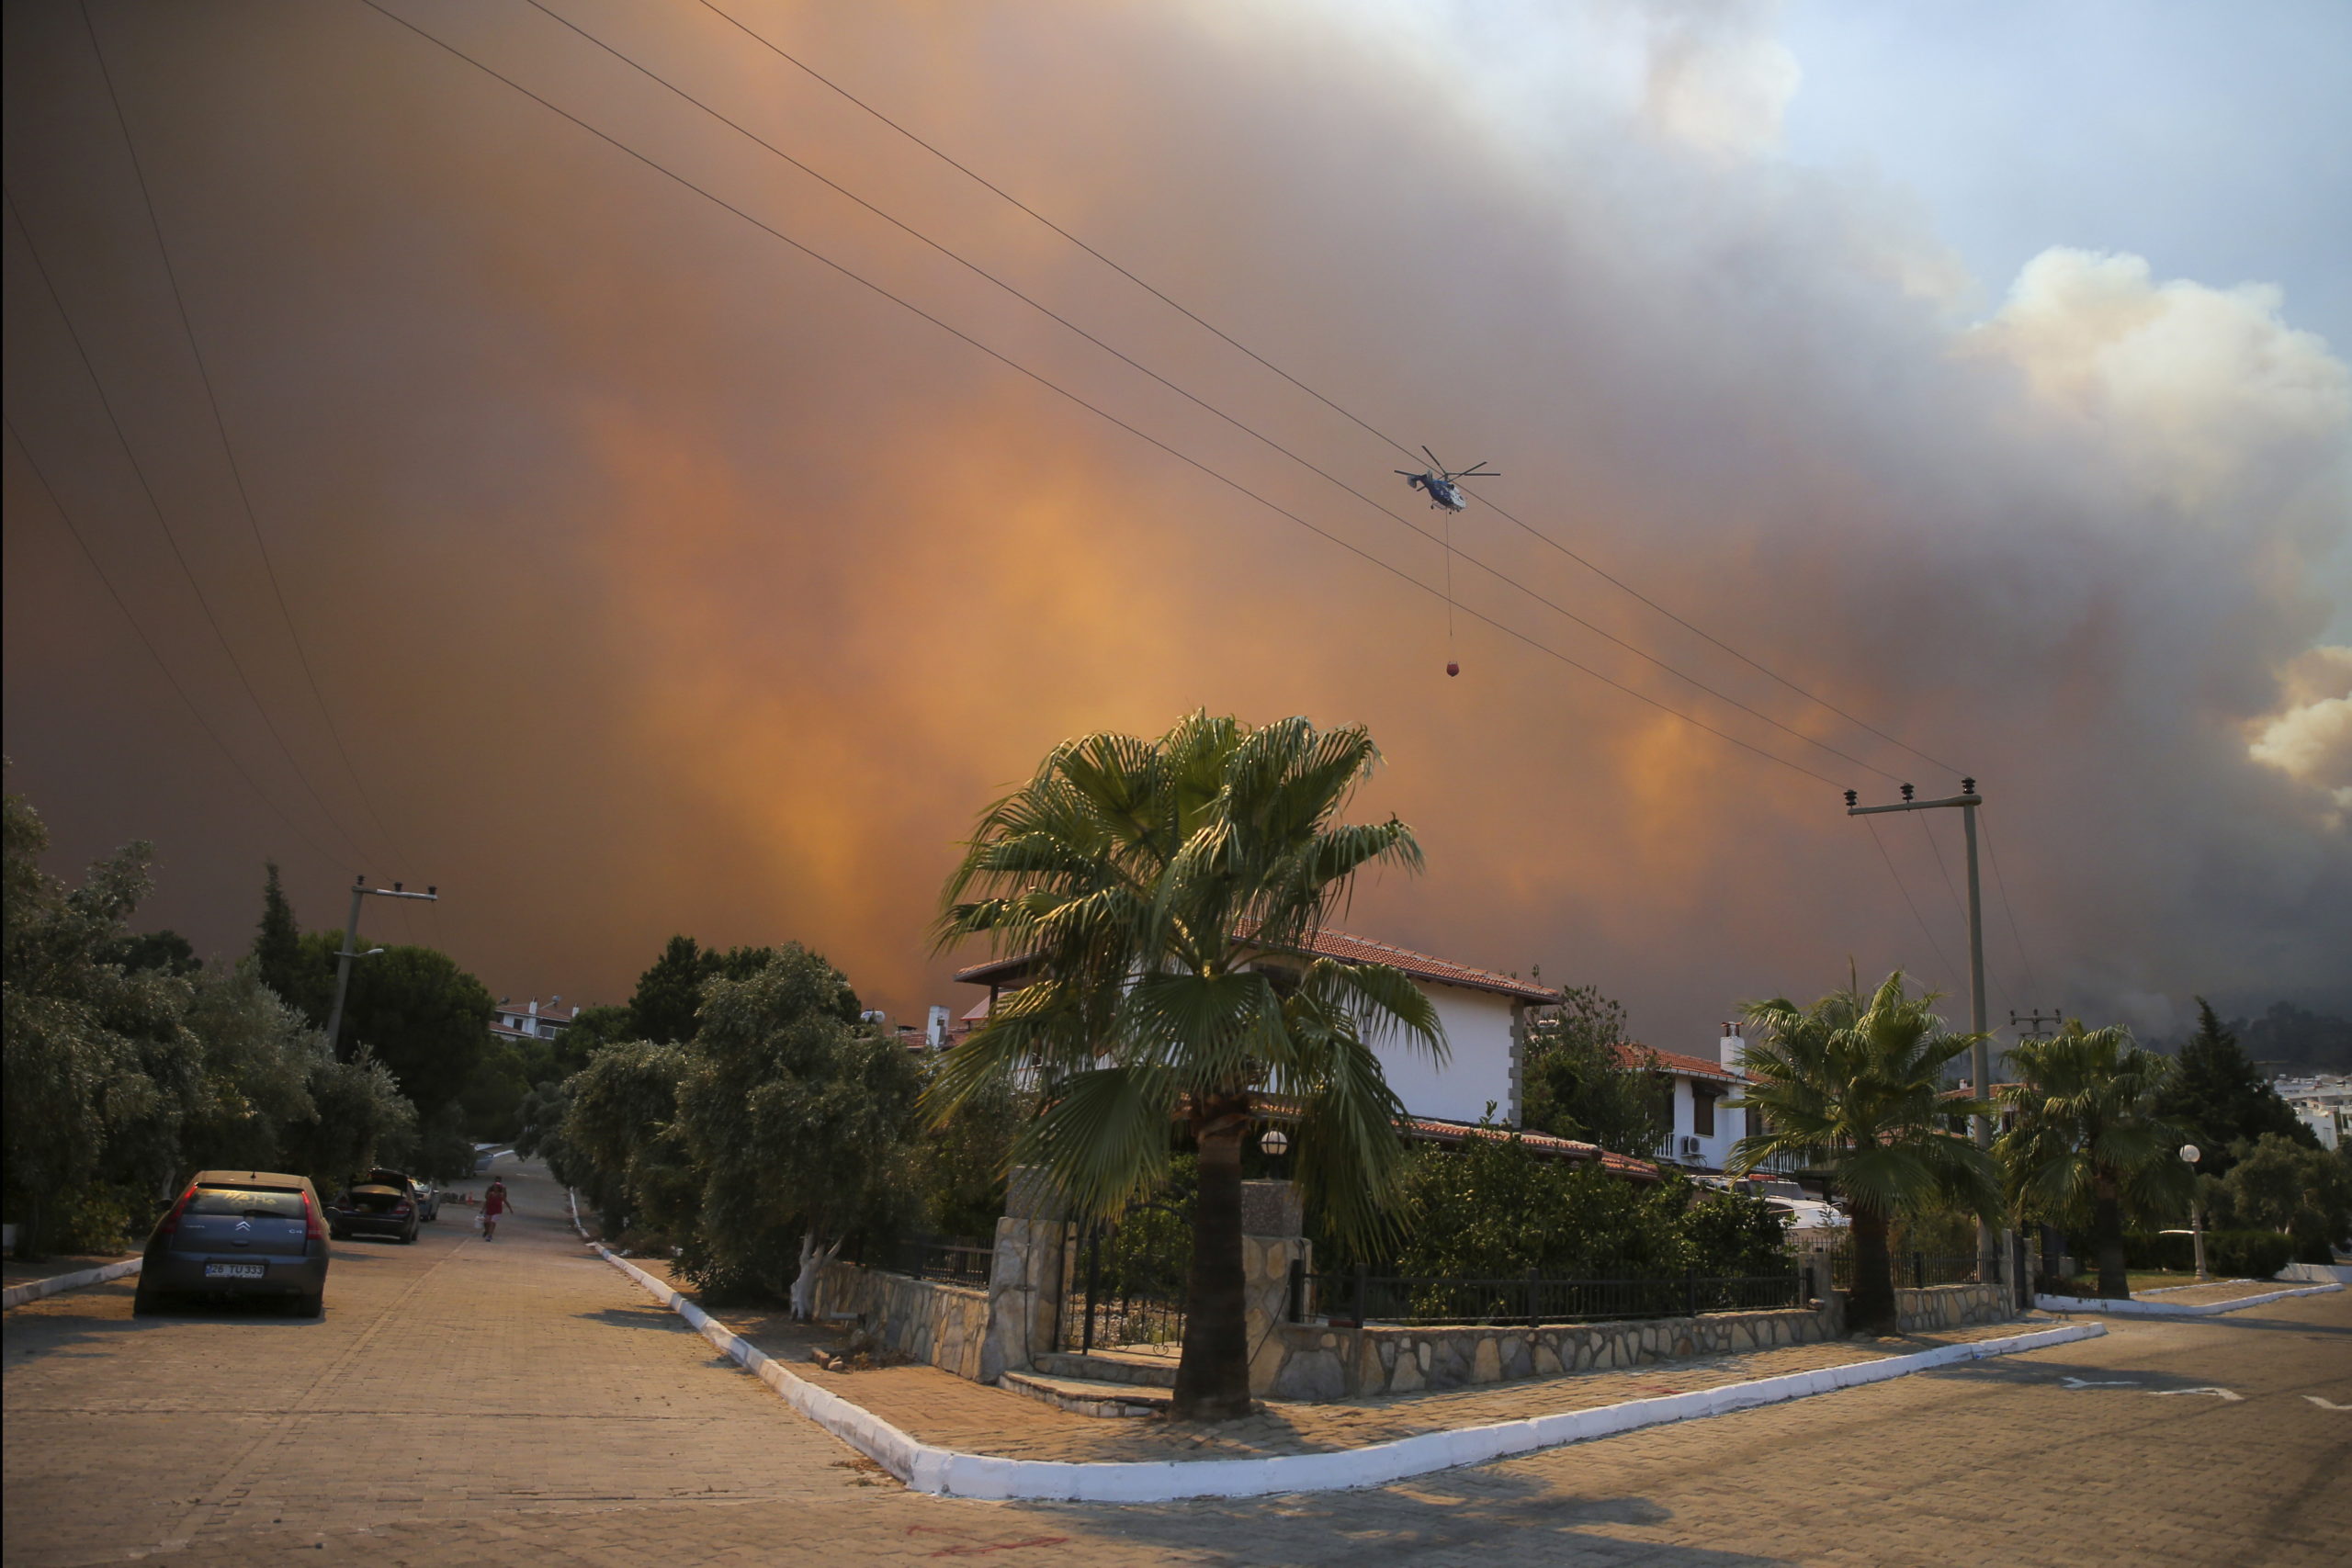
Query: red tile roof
x,y
1436,1131
1349,949
1632,1054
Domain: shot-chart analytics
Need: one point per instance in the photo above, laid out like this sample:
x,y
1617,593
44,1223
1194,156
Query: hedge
x,y
2251,1255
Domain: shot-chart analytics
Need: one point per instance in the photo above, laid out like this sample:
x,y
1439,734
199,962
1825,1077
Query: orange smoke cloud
x,y
670,581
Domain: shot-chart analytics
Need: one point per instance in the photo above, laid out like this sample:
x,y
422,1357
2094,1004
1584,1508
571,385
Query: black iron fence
x,y
1130,1280
941,1260
1913,1270
1355,1299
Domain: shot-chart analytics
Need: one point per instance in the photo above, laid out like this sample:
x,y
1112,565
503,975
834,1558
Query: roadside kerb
x,y
33,1290
2100,1304
953,1473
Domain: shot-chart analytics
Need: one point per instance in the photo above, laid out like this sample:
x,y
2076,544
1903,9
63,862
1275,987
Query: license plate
x,y
233,1270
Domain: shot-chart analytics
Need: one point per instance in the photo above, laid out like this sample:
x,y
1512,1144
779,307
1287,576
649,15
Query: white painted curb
x,y
2171,1309
2318,1273
33,1290
950,1474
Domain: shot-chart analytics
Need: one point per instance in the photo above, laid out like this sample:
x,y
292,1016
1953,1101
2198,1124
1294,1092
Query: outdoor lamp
x,y
2189,1155
1275,1141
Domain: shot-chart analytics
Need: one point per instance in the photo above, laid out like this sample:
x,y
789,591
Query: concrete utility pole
x,y
359,889
1988,1240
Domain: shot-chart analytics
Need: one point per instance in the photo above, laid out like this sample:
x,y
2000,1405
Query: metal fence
x,y
1913,1270
941,1260
1353,1299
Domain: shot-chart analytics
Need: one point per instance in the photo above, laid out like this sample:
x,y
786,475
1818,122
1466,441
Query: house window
x,y
1703,1109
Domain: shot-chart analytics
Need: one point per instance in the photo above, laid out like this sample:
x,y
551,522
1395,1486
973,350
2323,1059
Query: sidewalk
x,y
15,1273
37,1280
949,1411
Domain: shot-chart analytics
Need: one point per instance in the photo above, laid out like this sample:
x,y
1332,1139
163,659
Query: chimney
x,y
935,1034
1733,1050
535,1006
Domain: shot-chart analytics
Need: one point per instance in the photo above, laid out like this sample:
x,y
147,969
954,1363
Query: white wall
x,y
1729,1126
1477,1029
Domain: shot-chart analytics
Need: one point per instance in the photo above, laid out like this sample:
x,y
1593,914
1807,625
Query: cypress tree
x,y
278,945
2219,1092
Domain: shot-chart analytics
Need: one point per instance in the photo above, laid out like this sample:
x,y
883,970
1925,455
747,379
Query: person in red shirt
x,y
494,1204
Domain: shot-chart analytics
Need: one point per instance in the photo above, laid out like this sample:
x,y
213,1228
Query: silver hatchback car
x,y
239,1233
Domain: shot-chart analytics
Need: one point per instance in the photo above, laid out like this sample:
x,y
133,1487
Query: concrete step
x,y
1088,1396
1111,1366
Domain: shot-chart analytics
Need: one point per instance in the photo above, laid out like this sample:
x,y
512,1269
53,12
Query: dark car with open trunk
x,y
380,1203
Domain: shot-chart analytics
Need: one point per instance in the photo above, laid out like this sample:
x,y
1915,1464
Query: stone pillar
x,y
1272,1227
1028,1276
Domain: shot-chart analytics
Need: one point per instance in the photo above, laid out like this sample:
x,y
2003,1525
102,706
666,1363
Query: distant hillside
x,y
2288,1042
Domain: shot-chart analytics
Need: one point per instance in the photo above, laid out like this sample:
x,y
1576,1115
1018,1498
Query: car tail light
x,y
398,1209
311,1229
172,1220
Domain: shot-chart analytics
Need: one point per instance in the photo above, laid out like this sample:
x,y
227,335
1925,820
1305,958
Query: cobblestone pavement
x,y
521,1401
951,1412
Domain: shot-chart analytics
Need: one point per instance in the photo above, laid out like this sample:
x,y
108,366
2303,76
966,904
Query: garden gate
x,y
1128,1288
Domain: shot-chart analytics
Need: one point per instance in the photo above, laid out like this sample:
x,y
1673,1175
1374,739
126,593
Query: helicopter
x,y
1439,480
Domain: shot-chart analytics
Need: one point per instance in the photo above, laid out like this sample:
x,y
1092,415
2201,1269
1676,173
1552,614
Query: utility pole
x,y
1988,1240
2034,1025
359,889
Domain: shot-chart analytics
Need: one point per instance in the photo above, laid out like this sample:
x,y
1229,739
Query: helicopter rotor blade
x,y
1434,460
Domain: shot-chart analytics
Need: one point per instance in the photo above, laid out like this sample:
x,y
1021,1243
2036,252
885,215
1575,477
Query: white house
x,y
1704,1128
527,1020
1483,1013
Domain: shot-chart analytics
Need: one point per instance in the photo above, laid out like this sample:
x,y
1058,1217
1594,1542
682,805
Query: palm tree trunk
x,y
1213,1378
2107,1227
1870,1308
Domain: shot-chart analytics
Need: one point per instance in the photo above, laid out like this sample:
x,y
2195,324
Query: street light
x,y
2189,1155
1273,1142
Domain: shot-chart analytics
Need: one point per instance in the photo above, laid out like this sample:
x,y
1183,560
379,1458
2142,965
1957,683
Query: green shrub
x,y
2253,1255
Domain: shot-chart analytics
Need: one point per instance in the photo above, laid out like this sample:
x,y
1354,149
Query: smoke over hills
x,y
665,579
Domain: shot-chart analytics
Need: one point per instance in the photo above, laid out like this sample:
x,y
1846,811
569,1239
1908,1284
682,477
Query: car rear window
x,y
246,1200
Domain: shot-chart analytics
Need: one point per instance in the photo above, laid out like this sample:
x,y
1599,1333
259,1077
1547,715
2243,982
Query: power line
x,y
1446,543
1958,908
228,449
105,581
155,505
2001,885
1065,392
1335,407
1900,886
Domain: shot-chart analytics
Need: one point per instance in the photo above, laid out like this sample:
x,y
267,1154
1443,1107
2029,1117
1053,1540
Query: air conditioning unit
x,y
1689,1145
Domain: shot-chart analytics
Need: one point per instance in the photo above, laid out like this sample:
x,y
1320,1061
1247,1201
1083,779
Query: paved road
x,y
520,1402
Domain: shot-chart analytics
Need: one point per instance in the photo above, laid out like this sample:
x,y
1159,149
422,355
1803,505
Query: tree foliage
x,y
799,1119
1494,1208
100,1070
2282,1185
619,1143
2088,1141
1580,1084
1854,1085
2216,1092
1167,891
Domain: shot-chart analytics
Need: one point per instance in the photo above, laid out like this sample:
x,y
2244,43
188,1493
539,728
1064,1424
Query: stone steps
x,y
1111,1366
1089,1397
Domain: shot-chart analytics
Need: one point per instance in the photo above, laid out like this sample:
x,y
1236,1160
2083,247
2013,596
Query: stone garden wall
x,y
1954,1306
1319,1362
946,1326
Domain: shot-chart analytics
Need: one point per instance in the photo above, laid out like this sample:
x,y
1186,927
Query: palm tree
x,y
1169,891
2085,1135
1854,1085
